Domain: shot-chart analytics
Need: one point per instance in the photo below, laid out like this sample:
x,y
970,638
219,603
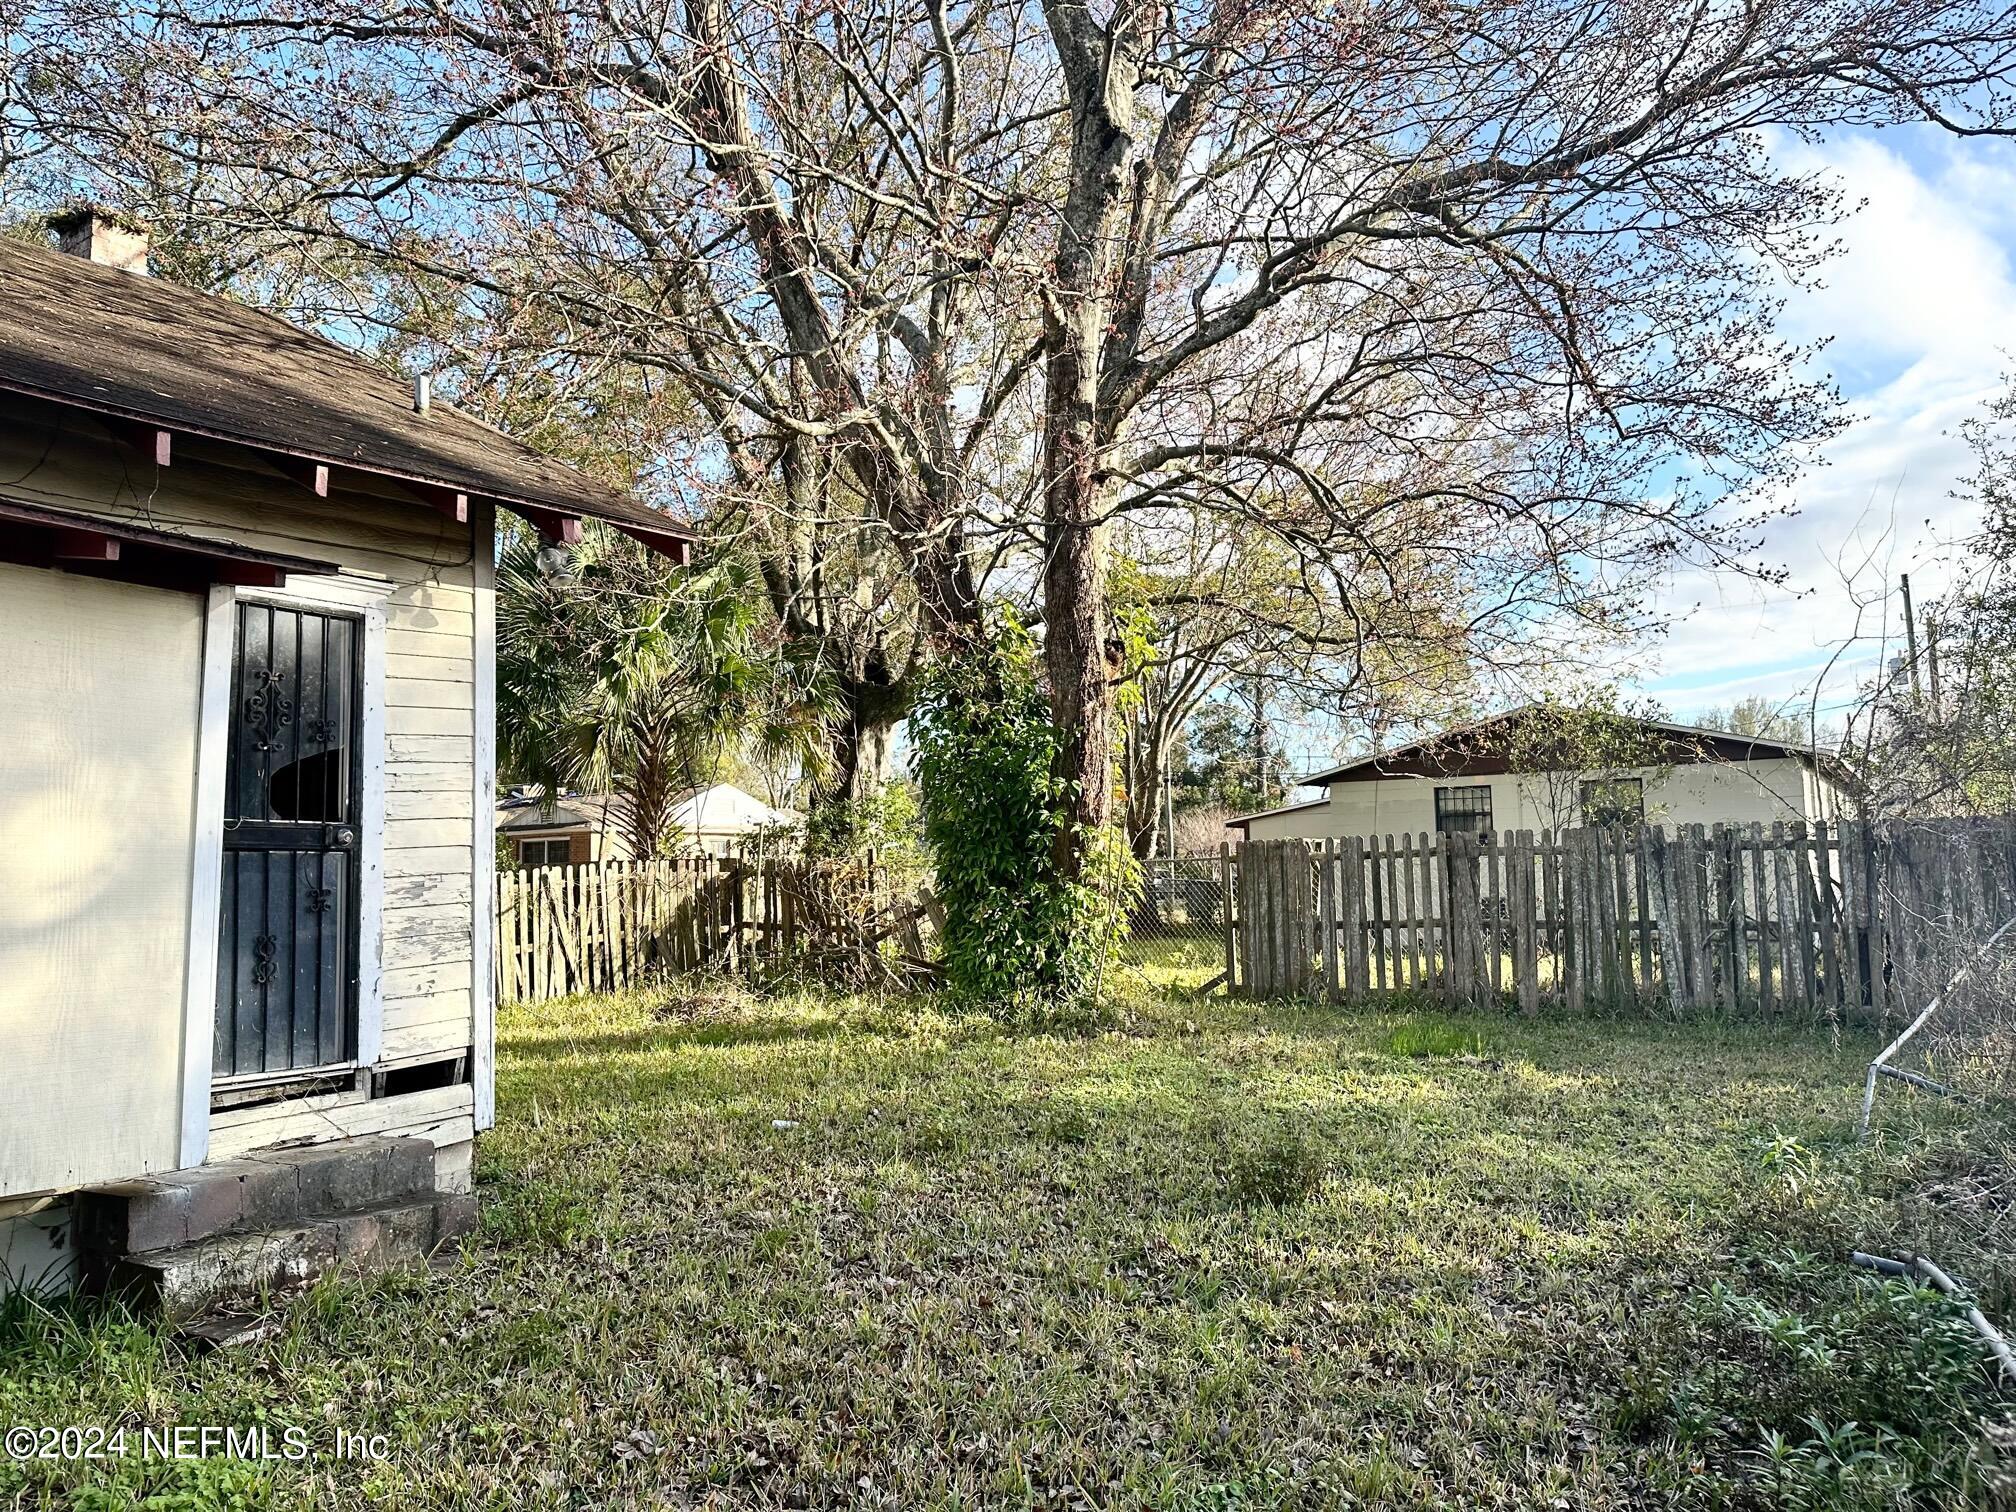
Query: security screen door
x,y
287,957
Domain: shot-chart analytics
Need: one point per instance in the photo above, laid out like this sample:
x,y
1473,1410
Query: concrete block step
x,y
250,1266
265,1190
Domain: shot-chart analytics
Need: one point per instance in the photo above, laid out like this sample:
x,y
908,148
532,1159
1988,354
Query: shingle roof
x,y
1287,808
150,350
1476,750
577,811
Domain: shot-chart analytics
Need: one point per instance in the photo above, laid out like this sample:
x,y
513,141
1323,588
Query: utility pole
x,y
1911,639
1932,663
1260,737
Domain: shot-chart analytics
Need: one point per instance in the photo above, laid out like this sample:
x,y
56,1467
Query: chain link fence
x,y
1176,930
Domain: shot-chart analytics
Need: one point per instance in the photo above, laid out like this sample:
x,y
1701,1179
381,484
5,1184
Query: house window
x,y
1463,810
1613,801
555,852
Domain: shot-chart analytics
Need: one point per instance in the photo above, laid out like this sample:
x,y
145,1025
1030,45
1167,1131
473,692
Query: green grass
x,y
1427,1036
1165,958
821,1252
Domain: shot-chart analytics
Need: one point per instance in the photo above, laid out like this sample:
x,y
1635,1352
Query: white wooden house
x,y
1463,779
246,747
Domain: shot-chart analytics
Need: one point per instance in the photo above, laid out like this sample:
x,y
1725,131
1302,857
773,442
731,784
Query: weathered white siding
x,y
99,686
417,566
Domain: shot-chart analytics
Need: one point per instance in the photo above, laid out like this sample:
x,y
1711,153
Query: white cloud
x,y
1922,311
1923,270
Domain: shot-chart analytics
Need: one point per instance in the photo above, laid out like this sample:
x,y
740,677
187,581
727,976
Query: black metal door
x,y
287,958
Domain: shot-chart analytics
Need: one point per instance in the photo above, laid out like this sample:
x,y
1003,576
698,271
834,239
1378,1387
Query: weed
x,y
1430,1038
1280,1165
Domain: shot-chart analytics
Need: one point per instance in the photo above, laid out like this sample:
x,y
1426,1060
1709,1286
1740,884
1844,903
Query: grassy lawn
x,y
818,1253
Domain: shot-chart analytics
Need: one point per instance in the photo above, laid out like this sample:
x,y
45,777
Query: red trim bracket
x,y
148,440
560,529
677,548
446,500
313,476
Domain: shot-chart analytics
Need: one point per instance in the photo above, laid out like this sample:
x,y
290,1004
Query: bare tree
x,y
1200,609
1755,714
1589,760
1007,273
1929,732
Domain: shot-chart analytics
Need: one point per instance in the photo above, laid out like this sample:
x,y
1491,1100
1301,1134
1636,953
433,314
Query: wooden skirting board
x,y
445,1115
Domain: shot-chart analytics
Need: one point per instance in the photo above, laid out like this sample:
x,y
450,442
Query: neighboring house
x,y
246,778
715,821
575,831
1462,781
721,819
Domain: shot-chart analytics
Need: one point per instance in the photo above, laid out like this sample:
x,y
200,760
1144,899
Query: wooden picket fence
x,y
597,928
608,926
1848,922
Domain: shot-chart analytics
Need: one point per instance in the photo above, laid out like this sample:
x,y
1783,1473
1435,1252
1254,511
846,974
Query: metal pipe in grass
x,y
1924,1083
1880,1065
1918,1265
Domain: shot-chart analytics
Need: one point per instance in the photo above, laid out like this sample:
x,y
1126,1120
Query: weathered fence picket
x,y
1837,921
1326,893
567,929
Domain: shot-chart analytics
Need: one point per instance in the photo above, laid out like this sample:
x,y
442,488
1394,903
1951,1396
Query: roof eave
x,y
93,546
448,496
1759,749
1275,813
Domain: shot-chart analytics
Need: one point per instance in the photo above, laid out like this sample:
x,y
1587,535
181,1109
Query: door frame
x,y
199,995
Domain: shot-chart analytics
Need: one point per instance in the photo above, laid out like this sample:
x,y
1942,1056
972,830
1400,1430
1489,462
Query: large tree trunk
x,y
1145,766
862,736
860,763
1144,824
1100,77
1074,604
871,694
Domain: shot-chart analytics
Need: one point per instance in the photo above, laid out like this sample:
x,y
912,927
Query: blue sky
x,y
1920,313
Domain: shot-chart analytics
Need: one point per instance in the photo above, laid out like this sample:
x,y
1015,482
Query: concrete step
x,y
250,1266
263,1191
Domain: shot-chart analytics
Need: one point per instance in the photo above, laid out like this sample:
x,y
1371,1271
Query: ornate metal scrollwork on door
x,y
321,899
265,949
268,711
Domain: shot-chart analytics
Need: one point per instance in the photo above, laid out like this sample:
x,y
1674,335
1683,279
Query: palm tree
x,y
628,676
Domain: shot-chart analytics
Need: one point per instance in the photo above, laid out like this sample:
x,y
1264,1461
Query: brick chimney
x,y
103,236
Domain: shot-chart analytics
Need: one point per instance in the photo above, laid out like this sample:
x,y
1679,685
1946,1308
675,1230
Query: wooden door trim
x,y
483,814
199,992
370,912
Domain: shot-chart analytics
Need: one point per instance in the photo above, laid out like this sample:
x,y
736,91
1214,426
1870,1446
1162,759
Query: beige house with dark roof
x,y
247,775
1463,780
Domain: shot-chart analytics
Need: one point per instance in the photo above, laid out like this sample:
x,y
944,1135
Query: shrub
x,y
1015,930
